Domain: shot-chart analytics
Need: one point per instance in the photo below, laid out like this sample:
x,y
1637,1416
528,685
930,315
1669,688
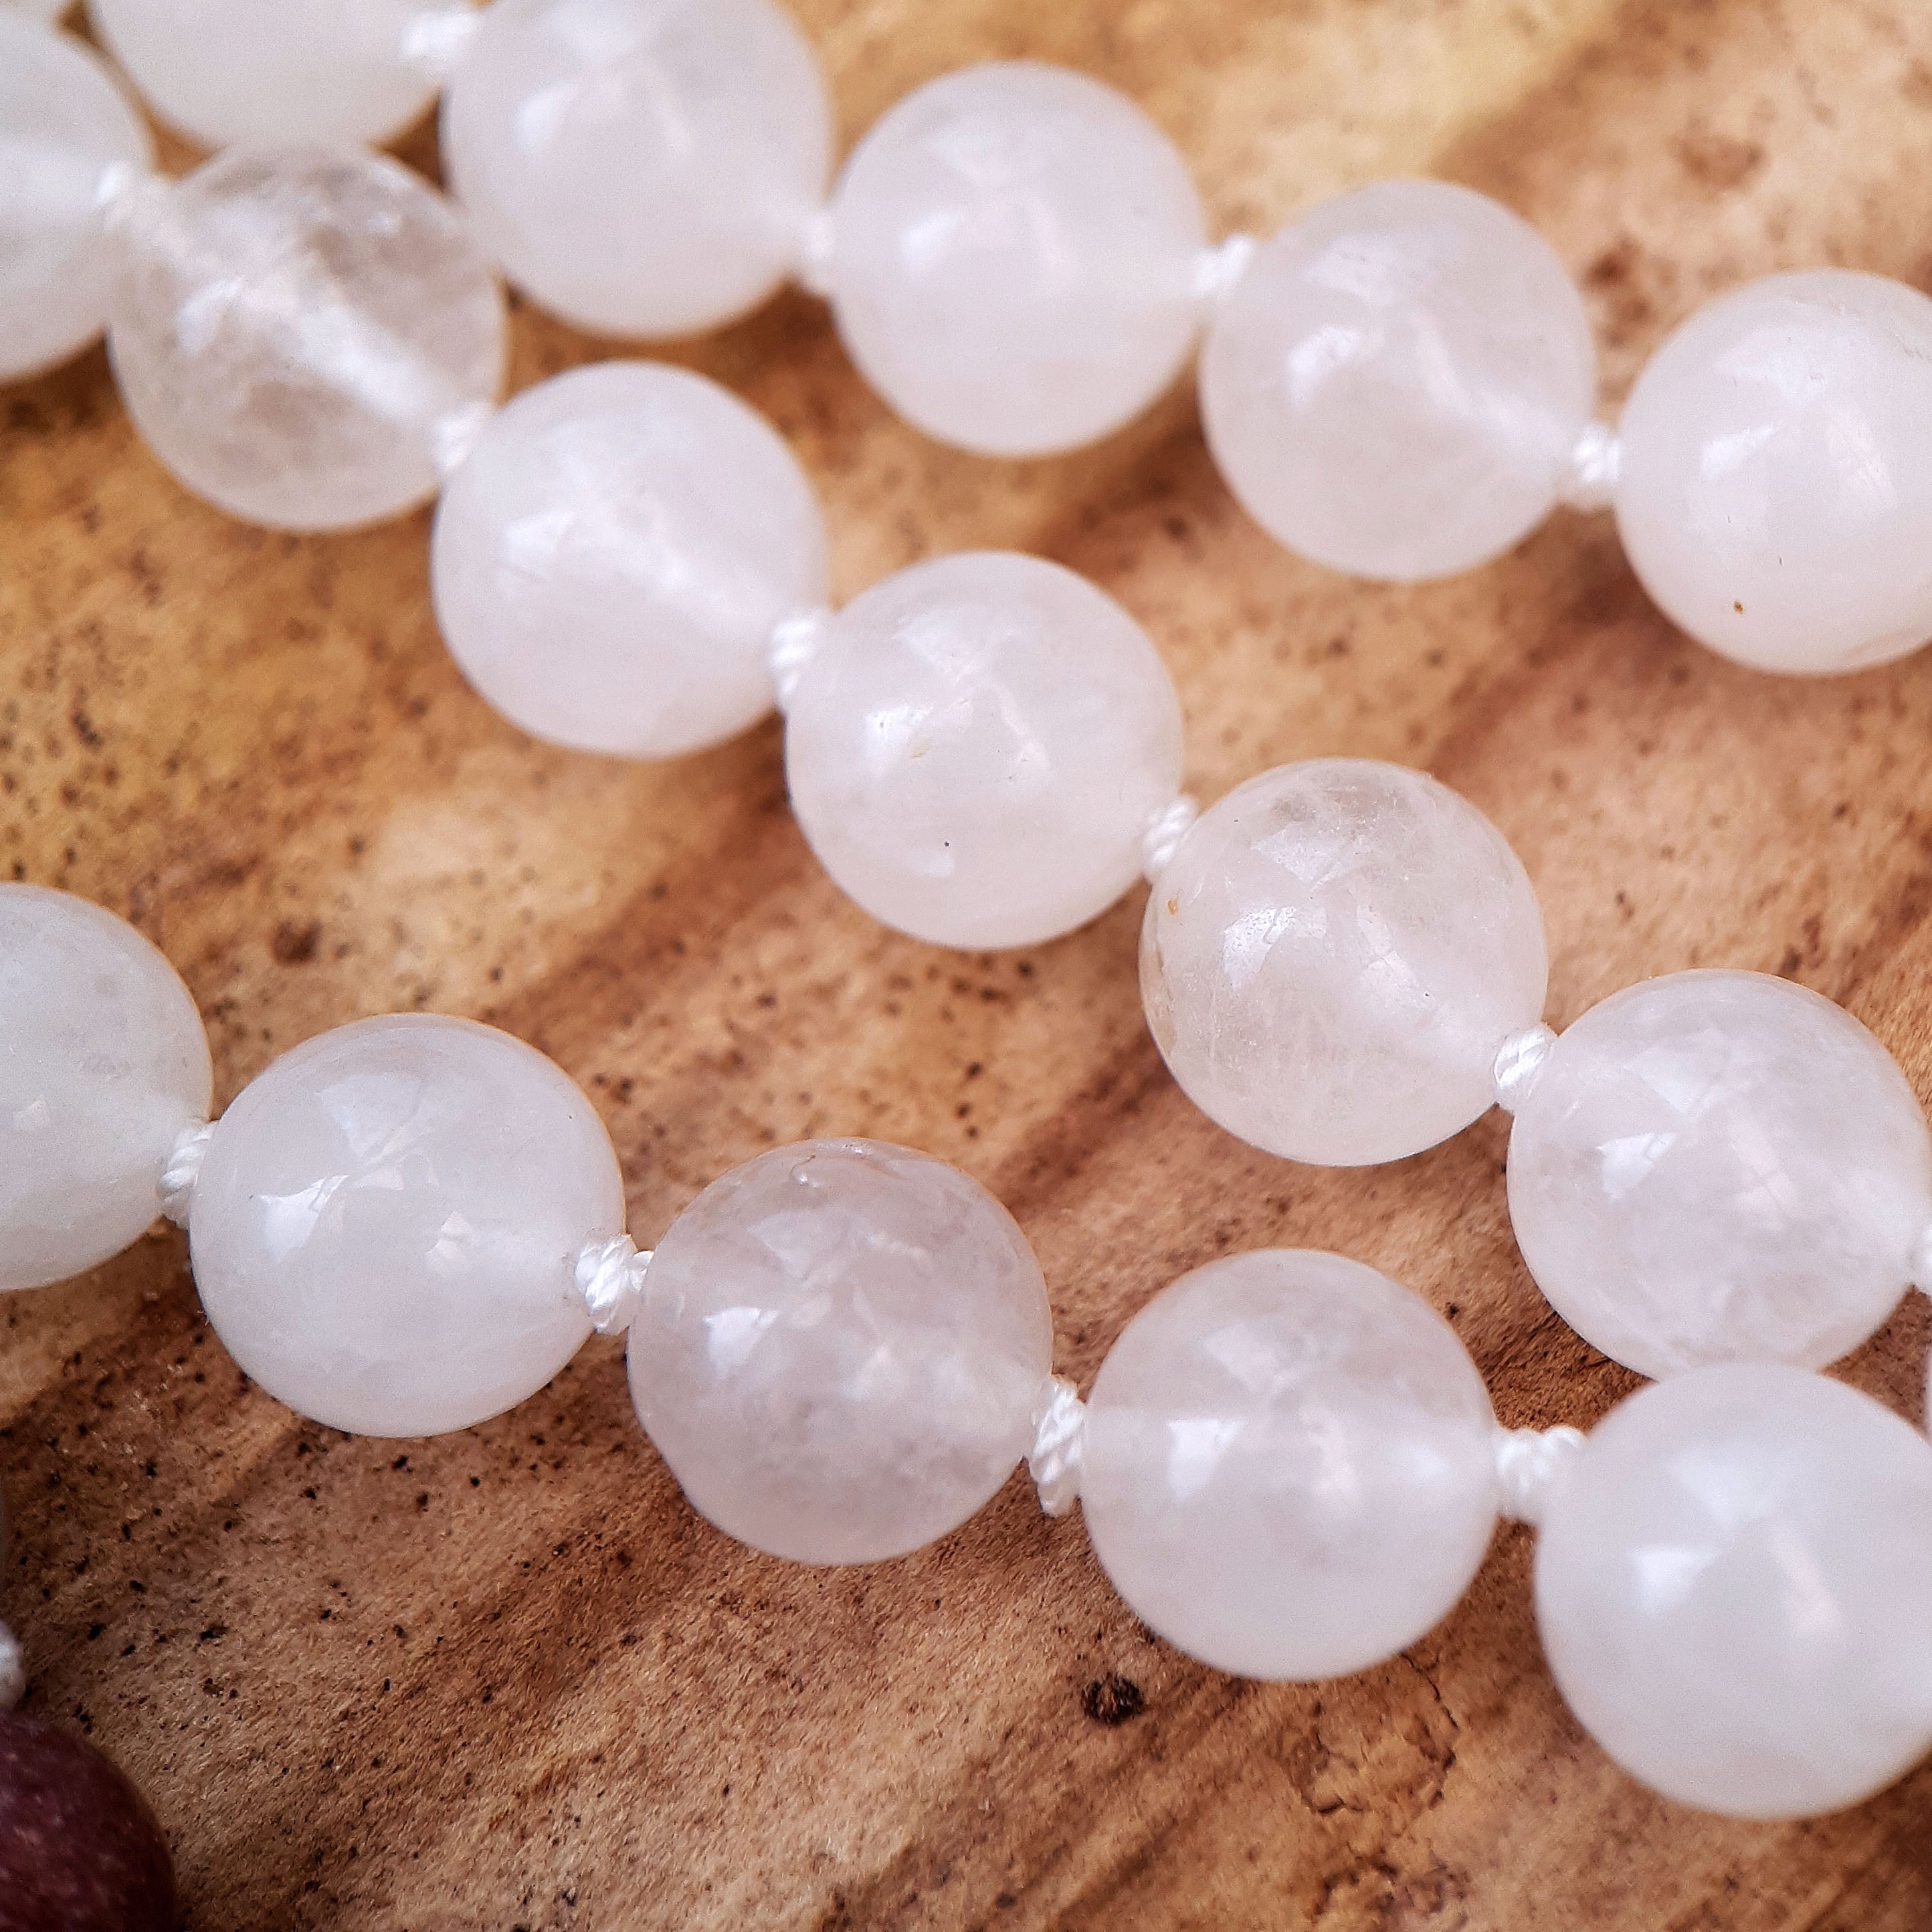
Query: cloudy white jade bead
x,y
642,167
840,1350
68,134
1775,490
976,748
610,562
1333,956
1396,384
302,334
1015,257
1288,1465
225,71
1714,1167
1734,1586
387,1223
104,1063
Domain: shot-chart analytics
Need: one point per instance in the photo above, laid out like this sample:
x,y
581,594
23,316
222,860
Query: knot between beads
x,y
1059,1430
1589,479
1529,1463
795,642
1219,269
1165,831
1519,1061
182,1169
610,1278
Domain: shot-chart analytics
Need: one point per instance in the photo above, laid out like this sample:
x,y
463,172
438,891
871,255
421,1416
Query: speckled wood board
x,y
506,1679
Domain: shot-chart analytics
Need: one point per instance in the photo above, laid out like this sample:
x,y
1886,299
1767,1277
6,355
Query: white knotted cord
x,y
1518,1061
1528,1463
1165,831
1217,271
794,643
610,1278
12,1669
815,254
1589,480
1054,1461
436,41
183,1169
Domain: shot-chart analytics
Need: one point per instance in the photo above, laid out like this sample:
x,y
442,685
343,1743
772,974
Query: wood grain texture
x,y
506,1679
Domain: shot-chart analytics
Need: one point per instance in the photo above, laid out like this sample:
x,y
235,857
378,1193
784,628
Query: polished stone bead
x,y
641,167
1288,1469
1719,1166
977,747
1775,483
301,334
840,1350
1333,957
610,562
1015,258
1394,387
1734,1587
79,1850
227,71
67,135
386,1225
105,1063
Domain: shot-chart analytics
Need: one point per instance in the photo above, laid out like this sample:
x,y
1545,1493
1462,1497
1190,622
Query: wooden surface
x,y
506,1679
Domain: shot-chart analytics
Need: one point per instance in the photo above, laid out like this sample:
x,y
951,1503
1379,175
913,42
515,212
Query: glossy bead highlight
x,y
610,561
1333,957
300,333
1288,1469
386,1225
977,747
1016,250
1716,1167
640,167
840,1350
1776,485
1394,387
105,1063
1734,1588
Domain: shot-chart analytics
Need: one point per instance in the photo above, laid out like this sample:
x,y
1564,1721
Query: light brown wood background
x,y
506,1679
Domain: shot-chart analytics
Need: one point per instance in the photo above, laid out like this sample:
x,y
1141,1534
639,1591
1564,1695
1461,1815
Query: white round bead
x,y
642,167
1734,1586
976,749
1715,1167
1394,387
840,1350
298,332
66,133
1333,957
224,71
1775,487
1014,259
386,1225
105,1063
1289,1467
609,561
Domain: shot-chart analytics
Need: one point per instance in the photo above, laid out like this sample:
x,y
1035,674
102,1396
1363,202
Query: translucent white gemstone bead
x,y
1715,1167
39,10
297,330
387,1223
1333,957
643,167
224,71
1289,1467
840,1350
1776,485
1395,386
1734,1586
610,561
976,749
104,1063
66,133
1014,253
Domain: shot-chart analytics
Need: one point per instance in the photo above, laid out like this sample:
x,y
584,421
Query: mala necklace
x,y
1288,1464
